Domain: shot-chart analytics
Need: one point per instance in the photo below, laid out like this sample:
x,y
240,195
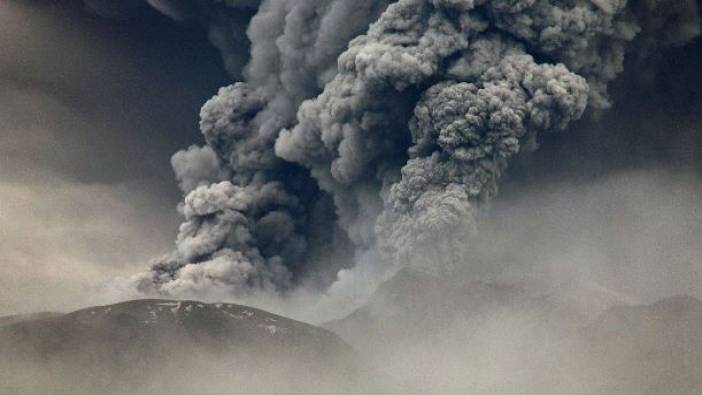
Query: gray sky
x,y
90,112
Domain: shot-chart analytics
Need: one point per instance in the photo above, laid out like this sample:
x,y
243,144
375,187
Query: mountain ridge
x,y
173,346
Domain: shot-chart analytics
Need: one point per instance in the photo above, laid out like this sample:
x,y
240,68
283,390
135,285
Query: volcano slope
x,y
162,346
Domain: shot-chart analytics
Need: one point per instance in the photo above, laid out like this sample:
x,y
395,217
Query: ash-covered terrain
x,y
163,346
418,334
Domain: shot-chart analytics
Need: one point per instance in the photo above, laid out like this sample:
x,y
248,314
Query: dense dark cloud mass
x,y
293,53
403,114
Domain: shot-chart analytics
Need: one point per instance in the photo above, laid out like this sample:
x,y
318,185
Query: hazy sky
x,y
90,112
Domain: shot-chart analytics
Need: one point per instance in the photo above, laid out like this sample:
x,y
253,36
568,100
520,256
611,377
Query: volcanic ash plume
x,y
378,125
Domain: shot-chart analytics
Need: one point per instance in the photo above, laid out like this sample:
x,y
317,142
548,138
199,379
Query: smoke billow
x,y
381,126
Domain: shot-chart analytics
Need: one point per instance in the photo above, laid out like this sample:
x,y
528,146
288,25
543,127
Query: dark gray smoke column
x,y
408,130
251,217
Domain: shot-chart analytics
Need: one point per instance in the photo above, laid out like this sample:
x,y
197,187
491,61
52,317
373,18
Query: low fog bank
x,y
475,337
181,373
570,287
418,334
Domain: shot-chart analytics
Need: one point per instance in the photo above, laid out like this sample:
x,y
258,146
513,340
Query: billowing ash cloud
x,y
382,125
